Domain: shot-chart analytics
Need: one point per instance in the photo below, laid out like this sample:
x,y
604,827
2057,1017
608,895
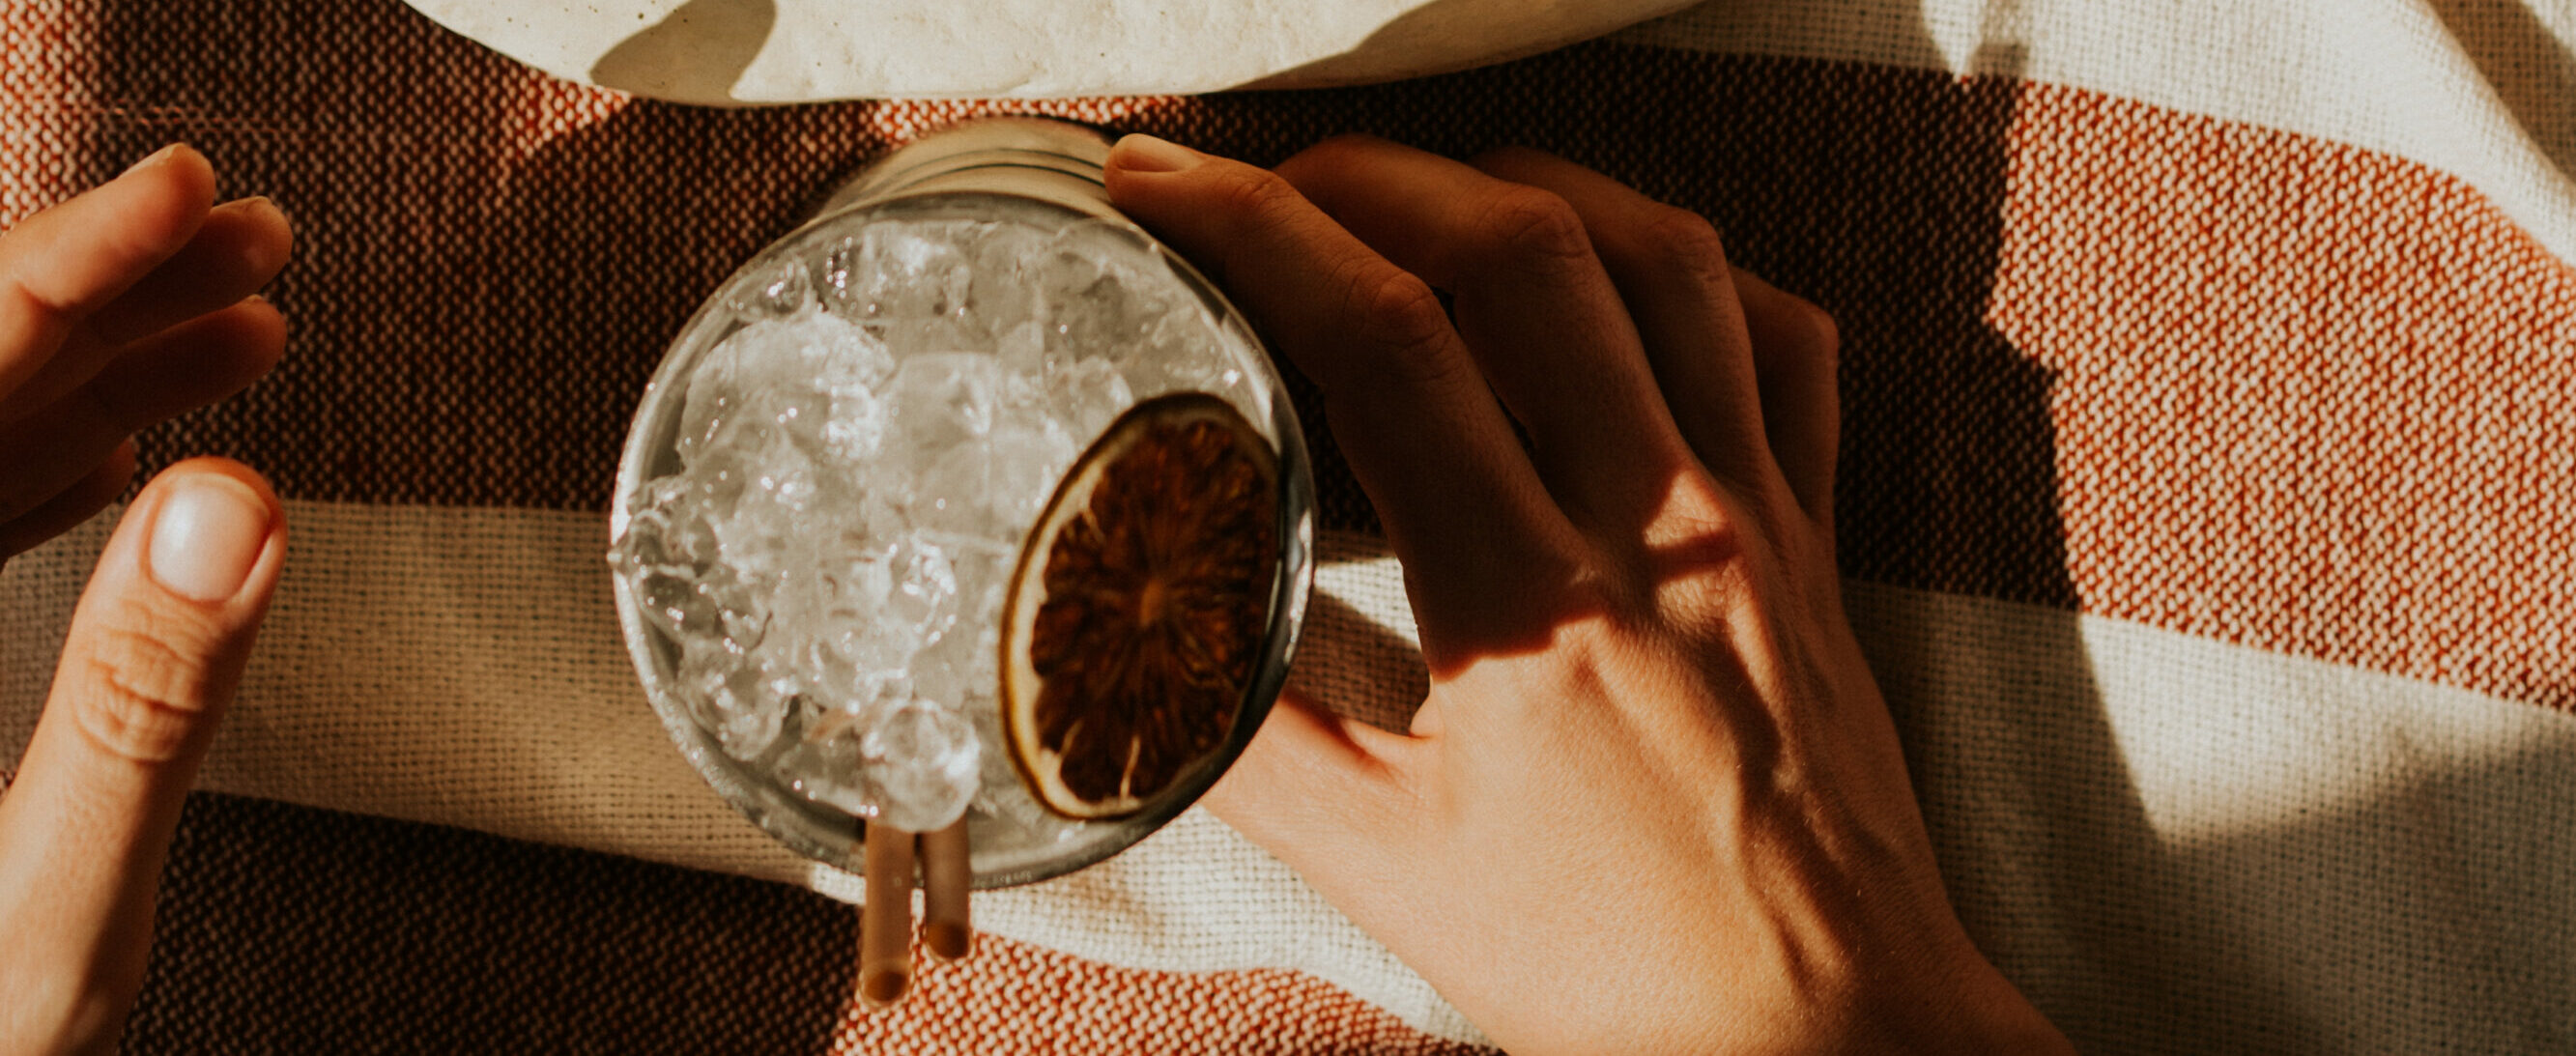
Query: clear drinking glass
x,y
872,259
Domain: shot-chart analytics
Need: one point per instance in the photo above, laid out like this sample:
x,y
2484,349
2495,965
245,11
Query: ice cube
x,y
924,587
837,414
1180,350
665,527
950,494
1027,457
710,606
902,272
961,668
982,567
755,484
825,767
845,644
924,763
808,354
1098,319
778,289
726,461
669,557
993,489
843,355
936,285
764,355
854,427
790,369
1022,350
942,399
1068,267
1086,395
736,695
708,404
963,662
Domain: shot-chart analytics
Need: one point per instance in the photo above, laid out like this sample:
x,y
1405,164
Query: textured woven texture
x,y
2206,454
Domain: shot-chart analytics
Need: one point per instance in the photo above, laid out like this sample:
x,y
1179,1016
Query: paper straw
x,y
885,922
947,875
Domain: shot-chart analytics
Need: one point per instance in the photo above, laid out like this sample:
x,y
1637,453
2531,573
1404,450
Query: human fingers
x,y
1462,506
239,248
1325,794
1534,305
74,504
1797,358
1672,274
59,266
155,650
176,370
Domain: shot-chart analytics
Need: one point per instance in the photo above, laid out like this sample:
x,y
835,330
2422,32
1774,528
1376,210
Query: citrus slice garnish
x,y
1139,605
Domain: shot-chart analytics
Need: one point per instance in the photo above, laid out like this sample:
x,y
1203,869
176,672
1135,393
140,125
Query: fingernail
x,y
1144,153
152,159
210,531
261,254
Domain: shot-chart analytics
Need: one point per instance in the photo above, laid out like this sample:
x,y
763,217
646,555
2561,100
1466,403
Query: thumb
x,y
1335,798
154,652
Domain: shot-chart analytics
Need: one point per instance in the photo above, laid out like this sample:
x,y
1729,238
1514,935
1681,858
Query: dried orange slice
x,y
1139,606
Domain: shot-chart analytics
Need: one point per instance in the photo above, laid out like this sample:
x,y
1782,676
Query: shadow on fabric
x,y
698,51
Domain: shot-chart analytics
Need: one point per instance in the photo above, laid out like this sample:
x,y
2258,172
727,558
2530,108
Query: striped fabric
x,y
2208,498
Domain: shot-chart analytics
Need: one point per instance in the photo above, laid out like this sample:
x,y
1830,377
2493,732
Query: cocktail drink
x,y
896,524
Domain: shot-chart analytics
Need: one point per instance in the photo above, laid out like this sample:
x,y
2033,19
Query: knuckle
x,y
142,693
53,313
1701,541
1524,223
1252,193
1805,342
1686,242
1824,336
1703,519
1406,328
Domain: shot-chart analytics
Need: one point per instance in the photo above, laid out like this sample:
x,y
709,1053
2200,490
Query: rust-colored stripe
x,y
2307,398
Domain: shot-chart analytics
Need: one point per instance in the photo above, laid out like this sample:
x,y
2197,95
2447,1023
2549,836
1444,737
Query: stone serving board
x,y
746,52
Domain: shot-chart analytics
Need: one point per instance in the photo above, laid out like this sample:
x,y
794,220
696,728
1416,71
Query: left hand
x,y
118,309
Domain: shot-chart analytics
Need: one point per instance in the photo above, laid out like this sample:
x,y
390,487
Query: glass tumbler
x,y
1082,313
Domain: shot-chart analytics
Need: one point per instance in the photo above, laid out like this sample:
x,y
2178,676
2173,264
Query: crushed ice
x,y
860,460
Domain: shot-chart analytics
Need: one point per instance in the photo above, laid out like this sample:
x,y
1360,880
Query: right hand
x,y
1653,803
118,309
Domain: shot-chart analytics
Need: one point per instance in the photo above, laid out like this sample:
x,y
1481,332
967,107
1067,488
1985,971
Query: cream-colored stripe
x,y
2175,845
2485,91
456,666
